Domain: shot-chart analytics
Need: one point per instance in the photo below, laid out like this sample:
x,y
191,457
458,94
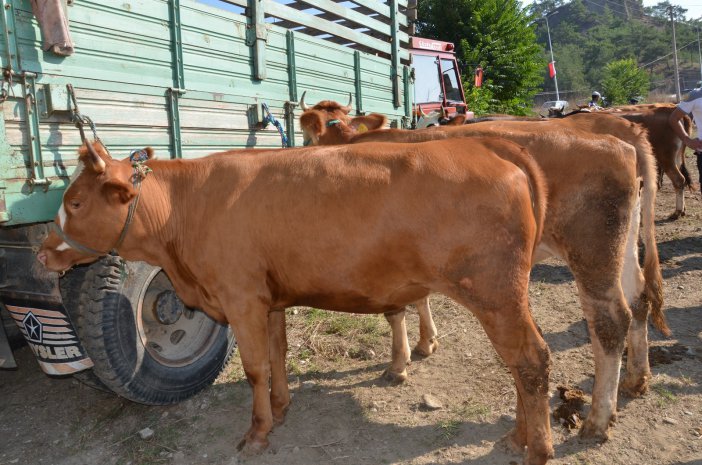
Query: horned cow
x,y
292,228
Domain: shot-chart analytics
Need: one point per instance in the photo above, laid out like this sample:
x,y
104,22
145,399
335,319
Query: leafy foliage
x,y
623,80
497,35
588,37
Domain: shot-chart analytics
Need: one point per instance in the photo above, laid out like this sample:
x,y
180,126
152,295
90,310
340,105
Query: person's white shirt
x,y
693,105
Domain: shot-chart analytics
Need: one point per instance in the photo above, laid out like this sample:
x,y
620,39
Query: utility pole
x,y
675,55
555,77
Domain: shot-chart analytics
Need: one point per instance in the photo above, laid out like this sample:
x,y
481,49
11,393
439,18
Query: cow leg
x,y
638,372
608,319
278,345
524,351
499,299
659,176
250,324
678,181
517,438
428,342
397,372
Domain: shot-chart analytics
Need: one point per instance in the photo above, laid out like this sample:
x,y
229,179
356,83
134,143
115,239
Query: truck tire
x,y
145,344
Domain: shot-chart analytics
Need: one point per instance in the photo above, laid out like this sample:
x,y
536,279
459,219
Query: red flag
x,y
552,69
478,76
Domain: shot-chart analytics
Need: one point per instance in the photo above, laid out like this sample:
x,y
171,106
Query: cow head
x,y
340,112
93,211
438,118
328,123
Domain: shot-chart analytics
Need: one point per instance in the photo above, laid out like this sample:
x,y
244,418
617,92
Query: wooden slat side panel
x,y
122,70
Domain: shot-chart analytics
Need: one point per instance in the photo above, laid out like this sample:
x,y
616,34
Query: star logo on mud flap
x,y
33,327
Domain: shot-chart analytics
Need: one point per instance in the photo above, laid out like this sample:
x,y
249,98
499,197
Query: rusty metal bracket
x,y
257,36
5,216
36,163
174,94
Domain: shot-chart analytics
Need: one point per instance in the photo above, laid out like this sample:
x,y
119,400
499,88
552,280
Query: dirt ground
x,y
344,413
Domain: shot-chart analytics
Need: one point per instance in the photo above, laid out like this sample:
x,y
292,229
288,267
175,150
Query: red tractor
x,y
438,91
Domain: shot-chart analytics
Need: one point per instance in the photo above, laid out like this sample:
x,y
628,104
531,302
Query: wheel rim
x,y
180,343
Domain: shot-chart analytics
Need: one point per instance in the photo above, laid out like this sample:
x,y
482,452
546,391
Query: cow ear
x,y
312,123
118,191
368,122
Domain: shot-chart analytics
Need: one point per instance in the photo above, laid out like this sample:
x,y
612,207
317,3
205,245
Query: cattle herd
x,y
369,220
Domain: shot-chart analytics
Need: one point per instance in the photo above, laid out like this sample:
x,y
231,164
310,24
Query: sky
x,y
693,7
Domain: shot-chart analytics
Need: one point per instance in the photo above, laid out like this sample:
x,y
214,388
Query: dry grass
x,y
317,334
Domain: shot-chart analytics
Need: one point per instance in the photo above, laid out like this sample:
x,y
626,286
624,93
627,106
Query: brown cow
x,y
668,149
667,146
355,229
592,223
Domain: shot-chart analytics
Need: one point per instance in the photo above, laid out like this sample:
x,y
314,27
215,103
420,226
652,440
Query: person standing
x,y
594,104
692,106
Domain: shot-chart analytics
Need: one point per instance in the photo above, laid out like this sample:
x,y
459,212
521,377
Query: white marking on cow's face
x,y
63,246
62,216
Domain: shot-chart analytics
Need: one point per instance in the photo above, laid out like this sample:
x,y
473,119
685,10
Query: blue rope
x,y
269,118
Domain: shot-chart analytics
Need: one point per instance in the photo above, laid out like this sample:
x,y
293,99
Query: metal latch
x,y
4,214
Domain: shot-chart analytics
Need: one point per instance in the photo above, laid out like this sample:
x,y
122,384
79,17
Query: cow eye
x,y
75,204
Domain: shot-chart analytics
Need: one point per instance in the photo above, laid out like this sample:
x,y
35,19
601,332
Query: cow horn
x,y
422,111
303,105
347,108
98,162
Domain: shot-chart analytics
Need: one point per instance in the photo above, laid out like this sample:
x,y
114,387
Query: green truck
x,y
187,78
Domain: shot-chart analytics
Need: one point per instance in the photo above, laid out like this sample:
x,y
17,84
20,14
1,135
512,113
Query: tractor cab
x,y
437,80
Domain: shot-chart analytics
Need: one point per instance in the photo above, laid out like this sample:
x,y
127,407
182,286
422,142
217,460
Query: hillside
x,y
588,34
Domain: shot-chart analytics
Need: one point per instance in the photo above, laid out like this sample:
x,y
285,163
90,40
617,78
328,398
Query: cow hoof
x,y
279,414
515,441
591,433
538,459
395,378
634,388
676,215
426,348
249,447
279,419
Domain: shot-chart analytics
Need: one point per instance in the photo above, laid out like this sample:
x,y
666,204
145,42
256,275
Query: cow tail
x,y
537,188
685,172
683,167
653,288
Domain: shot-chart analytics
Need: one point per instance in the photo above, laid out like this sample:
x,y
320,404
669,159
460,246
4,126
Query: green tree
x,y
623,80
495,34
660,10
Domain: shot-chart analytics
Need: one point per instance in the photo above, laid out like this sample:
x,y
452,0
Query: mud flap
x,y
31,295
51,336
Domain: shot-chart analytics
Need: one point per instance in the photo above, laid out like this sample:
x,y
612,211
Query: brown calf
x,y
367,228
592,223
667,146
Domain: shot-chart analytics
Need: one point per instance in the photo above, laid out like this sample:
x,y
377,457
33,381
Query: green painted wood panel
x,y
122,70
